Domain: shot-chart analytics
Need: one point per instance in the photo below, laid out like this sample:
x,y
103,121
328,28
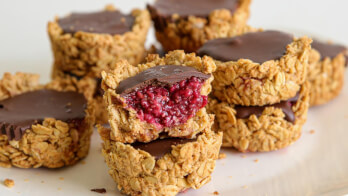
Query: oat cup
x,y
87,43
188,24
261,128
258,68
41,126
162,167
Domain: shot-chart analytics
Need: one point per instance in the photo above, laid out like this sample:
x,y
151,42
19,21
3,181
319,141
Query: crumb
x,y
26,180
42,182
222,156
101,191
61,178
230,176
59,189
37,173
312,131
83,162
243,156
216,193
251,175
9,183
245,186
256,160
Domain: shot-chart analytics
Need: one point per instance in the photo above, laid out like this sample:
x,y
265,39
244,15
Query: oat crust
x,y
325,76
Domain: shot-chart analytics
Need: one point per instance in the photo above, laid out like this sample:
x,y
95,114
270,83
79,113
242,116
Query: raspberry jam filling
x,y
170,105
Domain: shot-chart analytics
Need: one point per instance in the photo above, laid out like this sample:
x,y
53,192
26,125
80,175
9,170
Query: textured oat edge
x,y
87,53
325,76
190,34
52,143
124,122
14,84
138,173
268,132
244,82
86,85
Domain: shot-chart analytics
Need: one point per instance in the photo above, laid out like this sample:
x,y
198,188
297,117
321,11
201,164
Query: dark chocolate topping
x,y
185,8
158,148
246,111
159,75
258,47
329,50
20,112
105,22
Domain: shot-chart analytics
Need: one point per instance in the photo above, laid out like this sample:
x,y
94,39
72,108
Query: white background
x,y
24,44
316,164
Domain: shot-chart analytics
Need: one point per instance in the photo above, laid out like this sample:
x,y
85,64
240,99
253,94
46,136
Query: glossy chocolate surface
x,y
329,50
20,112
185,8
159,75
105,22
245,112
258,47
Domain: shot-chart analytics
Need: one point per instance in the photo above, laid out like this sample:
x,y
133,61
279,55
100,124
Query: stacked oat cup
x,y
160,141
220,83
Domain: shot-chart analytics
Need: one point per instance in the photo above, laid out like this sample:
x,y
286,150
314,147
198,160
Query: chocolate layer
x,y
162,10
20,112
159,75
105,22
329,50
185,8
258,47
286,106
158,148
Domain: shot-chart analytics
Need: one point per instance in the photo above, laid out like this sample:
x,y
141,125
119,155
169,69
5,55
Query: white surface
x,y
315,165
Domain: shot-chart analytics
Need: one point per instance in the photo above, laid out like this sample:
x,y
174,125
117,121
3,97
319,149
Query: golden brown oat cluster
x,y
124,122
189,34
246,83
270,131
138,173
52,143
12,85
326,77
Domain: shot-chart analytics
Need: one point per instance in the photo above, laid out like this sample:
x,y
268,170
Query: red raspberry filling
x,y
168,106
